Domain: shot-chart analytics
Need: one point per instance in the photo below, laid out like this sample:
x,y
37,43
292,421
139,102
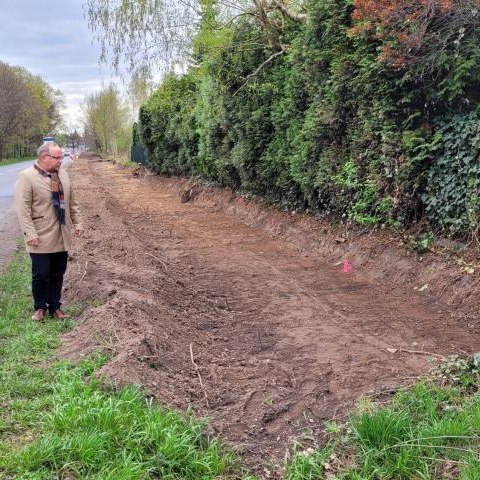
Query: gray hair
x,y
45,148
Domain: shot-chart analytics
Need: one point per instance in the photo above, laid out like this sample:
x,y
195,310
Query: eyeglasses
x,y
55,158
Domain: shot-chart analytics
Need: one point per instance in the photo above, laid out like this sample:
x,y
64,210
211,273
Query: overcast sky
x,y
51,39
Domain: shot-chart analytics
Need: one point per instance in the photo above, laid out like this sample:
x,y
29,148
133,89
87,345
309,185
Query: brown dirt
x,y
283,339
9,232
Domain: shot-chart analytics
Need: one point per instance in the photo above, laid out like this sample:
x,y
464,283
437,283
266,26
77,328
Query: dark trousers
x,y
47,279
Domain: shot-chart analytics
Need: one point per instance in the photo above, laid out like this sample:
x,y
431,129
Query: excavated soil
x,y
243,314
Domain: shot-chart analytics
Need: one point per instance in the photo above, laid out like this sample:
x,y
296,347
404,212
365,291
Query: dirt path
x,y
283,340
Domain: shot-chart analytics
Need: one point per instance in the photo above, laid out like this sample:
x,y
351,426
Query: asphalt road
x,y
9,230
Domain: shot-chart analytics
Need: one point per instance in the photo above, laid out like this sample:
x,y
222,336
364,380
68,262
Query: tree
x,y
138,32
29,109
139,89
72,138
106,125
147,32
15,103
49,100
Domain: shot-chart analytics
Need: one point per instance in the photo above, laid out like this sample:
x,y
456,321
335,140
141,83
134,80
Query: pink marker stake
x,y
347,268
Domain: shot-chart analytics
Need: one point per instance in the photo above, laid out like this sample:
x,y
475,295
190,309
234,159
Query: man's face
x,y
51,161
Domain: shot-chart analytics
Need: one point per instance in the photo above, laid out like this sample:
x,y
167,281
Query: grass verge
x,y
430,431
57,421
11,161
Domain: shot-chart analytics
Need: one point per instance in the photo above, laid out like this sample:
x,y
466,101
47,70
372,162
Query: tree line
x,y
29,109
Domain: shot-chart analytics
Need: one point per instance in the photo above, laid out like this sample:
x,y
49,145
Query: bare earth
x,y
9,231
283,339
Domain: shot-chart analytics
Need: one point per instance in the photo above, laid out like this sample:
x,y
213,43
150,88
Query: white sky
x,y
51,38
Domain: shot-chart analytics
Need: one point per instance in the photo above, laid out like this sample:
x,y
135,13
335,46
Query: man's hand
x,y
33,243
78,233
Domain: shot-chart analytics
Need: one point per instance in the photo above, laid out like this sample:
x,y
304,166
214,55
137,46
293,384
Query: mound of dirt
x,y
240,312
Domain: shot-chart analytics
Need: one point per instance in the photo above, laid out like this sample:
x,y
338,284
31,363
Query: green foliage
x,y
452,197
167,127
457,371
421,243
322,125
106,123
29,109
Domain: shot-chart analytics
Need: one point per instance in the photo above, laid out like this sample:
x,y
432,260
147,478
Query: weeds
x,y
429,431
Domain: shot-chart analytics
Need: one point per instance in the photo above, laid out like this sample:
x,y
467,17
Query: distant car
x,y
66,153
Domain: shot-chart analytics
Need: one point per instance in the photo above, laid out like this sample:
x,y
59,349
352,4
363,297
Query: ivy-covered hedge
x,y
326,126
452,196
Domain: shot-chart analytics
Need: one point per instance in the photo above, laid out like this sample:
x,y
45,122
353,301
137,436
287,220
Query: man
x,y
47,212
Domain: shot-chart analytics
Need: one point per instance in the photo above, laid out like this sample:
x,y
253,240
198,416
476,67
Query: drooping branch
x,y
158,34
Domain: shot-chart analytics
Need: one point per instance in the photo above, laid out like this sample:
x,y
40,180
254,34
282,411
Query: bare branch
x,y
299,17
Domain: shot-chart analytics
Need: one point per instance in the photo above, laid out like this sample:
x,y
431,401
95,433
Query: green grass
x,y
58,421
11,161
127,163
430,431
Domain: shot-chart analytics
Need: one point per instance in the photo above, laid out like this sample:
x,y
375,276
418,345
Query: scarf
x,y
58,199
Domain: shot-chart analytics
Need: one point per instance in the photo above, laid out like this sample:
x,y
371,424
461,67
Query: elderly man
x,y
47,212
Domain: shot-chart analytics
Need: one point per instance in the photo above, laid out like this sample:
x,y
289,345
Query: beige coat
x,y
33,203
